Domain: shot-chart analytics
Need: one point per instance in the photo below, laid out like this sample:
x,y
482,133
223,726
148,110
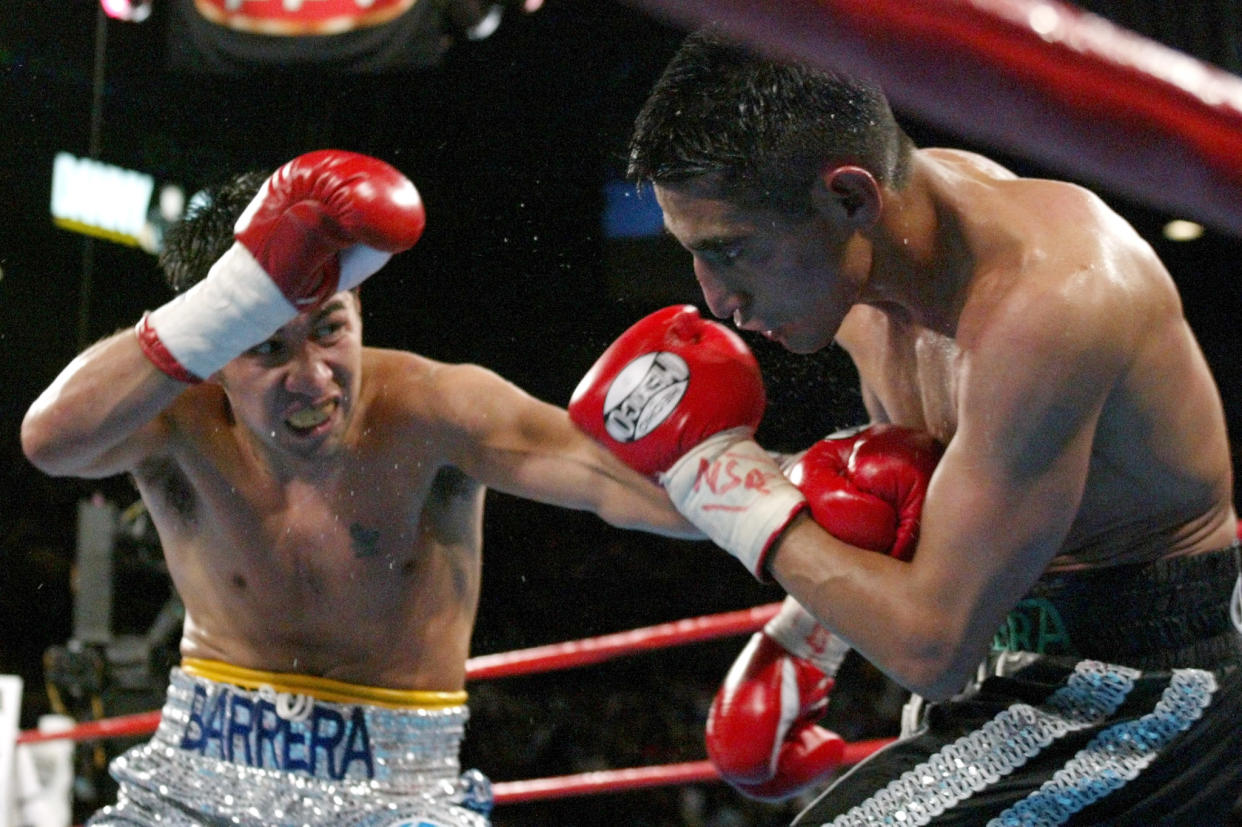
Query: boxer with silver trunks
x,y
319,504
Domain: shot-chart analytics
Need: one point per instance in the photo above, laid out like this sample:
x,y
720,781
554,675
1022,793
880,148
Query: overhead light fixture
x,y
1182,230
127,10
131,11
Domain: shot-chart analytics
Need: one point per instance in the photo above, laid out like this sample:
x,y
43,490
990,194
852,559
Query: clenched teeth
x,y
310,417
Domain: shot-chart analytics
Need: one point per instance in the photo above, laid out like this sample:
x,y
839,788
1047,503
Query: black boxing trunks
x,y
1113,697
238,746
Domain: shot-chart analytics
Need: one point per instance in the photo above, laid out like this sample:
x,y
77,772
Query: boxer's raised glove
x,y
322,223
866,487
679,397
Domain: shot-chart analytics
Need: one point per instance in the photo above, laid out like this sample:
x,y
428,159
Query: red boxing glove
x,y
866,486
667,383
321,204
680,397
762,731
321,223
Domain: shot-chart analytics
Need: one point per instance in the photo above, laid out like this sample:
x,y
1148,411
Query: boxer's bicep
x,y
515,443
1003,498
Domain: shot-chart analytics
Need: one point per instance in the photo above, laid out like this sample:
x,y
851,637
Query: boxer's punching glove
x,y
322,223
679,397
866,486
762,731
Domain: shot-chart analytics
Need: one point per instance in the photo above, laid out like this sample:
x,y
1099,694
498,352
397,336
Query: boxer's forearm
x,y
90,421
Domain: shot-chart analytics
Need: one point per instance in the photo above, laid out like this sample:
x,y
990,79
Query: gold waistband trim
x,y
323,689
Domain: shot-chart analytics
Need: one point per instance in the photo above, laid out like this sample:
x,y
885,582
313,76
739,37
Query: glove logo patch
x,y
643,395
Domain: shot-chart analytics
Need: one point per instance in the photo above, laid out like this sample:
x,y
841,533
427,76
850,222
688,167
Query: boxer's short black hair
x,y
205,232
765,128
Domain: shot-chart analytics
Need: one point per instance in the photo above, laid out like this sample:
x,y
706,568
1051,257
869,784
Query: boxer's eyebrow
x,y
328,309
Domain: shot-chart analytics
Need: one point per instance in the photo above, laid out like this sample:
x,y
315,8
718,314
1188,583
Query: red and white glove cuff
x,y
797,630
231,310
734,492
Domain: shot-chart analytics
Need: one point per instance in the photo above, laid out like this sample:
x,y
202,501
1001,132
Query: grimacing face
x,y
295,391
791,280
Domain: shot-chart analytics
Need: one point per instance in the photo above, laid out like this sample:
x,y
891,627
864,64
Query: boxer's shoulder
x,y
388,365
423,400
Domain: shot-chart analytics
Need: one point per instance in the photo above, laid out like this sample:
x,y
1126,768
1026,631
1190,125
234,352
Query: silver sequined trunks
x,y
225,755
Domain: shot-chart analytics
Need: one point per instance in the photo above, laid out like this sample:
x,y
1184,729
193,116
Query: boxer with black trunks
x,y
1063,619
319,504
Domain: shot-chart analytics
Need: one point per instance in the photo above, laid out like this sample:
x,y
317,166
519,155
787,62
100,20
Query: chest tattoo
x,y
365,540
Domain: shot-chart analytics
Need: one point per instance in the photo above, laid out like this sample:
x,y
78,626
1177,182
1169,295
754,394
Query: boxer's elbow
x,y
935,680
934,660
54,450
37,442
43,449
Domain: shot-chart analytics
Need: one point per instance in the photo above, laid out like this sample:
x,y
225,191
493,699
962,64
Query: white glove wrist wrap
x,y
800,634
358,262
734,493
233,309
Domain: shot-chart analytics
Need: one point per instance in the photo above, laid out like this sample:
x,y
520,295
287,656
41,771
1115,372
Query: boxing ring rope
x,y
1039,79
613,781
552,657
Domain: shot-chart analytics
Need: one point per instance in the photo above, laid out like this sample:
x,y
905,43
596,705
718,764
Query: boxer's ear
x,y
847,195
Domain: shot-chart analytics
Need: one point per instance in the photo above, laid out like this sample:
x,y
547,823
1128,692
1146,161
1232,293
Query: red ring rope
x,y
613,781
548,658
594,650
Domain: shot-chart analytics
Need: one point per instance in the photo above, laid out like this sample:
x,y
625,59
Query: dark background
x,y
511,142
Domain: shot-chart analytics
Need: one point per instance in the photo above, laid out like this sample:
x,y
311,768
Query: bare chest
x,y
301,540
914,374
342,537
358,537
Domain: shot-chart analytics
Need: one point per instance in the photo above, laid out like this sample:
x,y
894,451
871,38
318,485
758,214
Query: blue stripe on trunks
x,y
1092,693
1115,756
